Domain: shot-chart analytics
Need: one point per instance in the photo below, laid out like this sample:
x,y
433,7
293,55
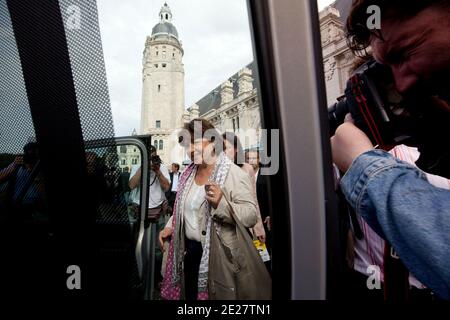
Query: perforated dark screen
x,y
88,68
16,126
68,220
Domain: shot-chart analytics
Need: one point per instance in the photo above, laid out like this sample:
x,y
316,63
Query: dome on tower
x,y
165,27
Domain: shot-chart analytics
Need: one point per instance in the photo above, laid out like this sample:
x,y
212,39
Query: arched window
x,y
160,144
155,143
124,162
167,16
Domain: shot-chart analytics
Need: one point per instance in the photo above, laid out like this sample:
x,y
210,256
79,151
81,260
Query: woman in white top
x,y
200,201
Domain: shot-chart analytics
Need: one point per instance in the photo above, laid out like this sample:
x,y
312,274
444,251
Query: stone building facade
x,y
337,57
233,106
128,156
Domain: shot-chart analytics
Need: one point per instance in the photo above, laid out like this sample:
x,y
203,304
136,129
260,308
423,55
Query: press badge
x,y
262,249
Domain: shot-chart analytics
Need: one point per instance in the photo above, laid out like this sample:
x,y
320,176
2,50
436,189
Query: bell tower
x,y
162,84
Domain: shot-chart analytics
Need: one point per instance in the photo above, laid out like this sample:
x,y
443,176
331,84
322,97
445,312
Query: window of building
x,y
160,144
134,150
164,65
234,125
155,143
156,65
157,52
134,161
237,119
158,123
173,55
123,149
124,162
159,88
167,16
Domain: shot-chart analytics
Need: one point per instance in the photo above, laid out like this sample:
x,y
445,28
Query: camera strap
x,y
154,179
364,110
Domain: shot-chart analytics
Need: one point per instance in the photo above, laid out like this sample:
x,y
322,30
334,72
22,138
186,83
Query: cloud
x,y
215,36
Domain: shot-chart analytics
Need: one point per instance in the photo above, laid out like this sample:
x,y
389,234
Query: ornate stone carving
x,y
245,80
330,67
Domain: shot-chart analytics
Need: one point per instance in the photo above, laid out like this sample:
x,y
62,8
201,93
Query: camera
x,y
387,118
155,160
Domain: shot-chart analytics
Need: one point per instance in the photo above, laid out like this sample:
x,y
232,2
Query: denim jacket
x,y
398,202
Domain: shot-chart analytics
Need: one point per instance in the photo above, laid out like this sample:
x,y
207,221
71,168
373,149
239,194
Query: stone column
x,y
195,113
226,92
245,80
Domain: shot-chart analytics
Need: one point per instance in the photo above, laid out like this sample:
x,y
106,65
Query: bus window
x,y
211,74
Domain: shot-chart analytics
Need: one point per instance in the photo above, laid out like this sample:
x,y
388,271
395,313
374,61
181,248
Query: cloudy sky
x,y
215,35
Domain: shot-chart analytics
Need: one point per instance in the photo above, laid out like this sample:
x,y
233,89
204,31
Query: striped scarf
x,y
172,283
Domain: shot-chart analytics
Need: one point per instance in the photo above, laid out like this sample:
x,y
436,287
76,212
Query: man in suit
x,y
252,158
174,178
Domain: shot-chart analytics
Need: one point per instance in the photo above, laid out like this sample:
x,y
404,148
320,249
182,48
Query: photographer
x,y
157,206
395,198
159,183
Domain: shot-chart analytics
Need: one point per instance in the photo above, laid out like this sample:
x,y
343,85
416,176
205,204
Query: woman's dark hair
x,y
234,140
208,131
359,35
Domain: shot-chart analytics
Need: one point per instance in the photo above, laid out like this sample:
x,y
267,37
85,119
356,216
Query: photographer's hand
x,y
164,182
156,168
347,144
